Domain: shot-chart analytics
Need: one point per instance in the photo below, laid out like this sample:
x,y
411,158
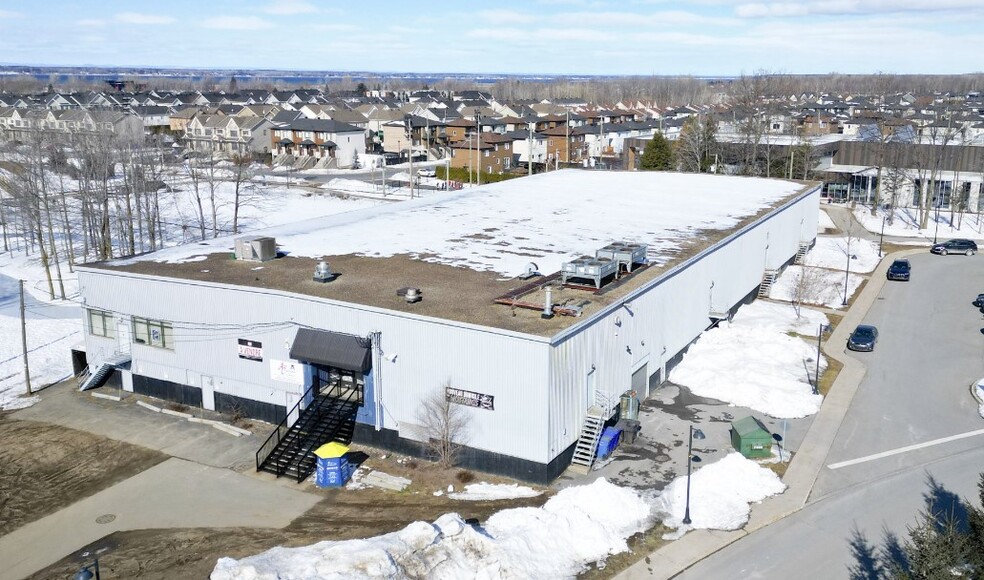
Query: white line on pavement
x,y
905,449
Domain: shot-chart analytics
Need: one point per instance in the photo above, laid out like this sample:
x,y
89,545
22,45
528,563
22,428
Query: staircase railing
x,y
335,415
274,439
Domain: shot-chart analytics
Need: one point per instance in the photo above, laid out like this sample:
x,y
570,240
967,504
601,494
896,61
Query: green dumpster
x,y
750,438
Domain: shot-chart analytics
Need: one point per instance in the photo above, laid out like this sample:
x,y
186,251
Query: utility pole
x,y
567,125
27,370
409,122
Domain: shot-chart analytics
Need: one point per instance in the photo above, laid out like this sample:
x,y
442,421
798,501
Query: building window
x,y
101,323
153,333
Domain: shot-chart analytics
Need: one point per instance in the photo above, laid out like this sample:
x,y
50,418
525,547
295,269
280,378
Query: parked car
x,y
979,301
899,270
427,173
863,338
957,246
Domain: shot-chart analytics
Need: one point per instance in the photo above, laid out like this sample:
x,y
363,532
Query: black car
x,y
863,338
958,246
899,270
979,301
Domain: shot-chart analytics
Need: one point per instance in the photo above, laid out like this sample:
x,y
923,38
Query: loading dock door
x,y
640,381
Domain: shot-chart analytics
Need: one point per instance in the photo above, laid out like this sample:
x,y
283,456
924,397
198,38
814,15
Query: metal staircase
x,y
804,247
289,451
768,279
587,444
91,378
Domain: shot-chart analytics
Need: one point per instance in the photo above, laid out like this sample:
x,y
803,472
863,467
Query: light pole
x,y
881,236
409,122
694,434
478,144
85,573
847,270
936,229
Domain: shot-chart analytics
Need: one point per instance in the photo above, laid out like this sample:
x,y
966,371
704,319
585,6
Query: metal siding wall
x,y
511,367
671,314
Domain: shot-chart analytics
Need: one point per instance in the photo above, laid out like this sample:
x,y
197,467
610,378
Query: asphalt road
x,y
916,391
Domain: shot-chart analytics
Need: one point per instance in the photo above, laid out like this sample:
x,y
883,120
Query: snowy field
x,y
548,219
814,286
752,361
837,252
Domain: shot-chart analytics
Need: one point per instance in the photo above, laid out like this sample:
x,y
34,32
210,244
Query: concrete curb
x,y
806,463
107,397
149,406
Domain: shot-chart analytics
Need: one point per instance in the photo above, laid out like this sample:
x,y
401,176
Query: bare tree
x,y
808,286
445,425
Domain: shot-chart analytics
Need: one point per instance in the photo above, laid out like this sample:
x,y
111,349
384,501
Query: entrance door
x,y
208,392
123,336
590,388
640,381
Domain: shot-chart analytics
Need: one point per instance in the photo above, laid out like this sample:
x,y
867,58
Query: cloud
x,y
850,7
9,14
93,22
138,18
236,23
288,7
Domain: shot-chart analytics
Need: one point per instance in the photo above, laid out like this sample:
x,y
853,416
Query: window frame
x,y
143,333
106,319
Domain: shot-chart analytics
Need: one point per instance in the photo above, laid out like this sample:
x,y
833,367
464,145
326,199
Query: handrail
x,y
281,426
309,446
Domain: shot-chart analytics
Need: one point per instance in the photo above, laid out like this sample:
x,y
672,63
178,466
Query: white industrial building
x,y
362,316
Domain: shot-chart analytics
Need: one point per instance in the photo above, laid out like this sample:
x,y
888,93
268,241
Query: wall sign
x,y
250,350
287,371
470,399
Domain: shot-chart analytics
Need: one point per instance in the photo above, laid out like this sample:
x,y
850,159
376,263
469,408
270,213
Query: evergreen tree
x,y
658,155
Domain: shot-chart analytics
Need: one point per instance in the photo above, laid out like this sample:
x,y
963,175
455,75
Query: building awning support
x,y
333,349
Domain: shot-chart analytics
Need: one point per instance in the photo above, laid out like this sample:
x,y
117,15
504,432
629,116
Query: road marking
x,y
905,449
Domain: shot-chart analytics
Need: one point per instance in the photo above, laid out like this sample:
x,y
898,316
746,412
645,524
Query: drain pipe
x,y
547,304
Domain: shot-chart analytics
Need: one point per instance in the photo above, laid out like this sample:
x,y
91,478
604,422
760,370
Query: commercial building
x,y
530,304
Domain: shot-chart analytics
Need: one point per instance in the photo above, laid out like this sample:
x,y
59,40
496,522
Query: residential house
x,y
317,140
492,153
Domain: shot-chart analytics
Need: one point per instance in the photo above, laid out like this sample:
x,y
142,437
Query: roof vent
x,y
411,294
323,273
256,249
530,270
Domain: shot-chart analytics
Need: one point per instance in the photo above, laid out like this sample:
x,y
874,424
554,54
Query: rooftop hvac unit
x,y
588,268
625,253
256,249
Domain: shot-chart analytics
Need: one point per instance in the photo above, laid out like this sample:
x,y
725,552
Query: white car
x,y
427,173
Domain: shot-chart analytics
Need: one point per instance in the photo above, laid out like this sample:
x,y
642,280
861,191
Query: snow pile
x,y
578,526
832,253
720,494
820,286
979,393
752,361
350,185
490,491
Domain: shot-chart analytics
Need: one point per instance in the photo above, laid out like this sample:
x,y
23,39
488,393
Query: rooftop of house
x,y
464,249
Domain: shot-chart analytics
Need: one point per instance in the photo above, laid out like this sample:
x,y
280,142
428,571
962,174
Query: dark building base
x,y
233,405
470,458
161,389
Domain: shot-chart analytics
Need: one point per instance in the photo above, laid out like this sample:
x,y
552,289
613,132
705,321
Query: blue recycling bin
x,y
609,440
333,469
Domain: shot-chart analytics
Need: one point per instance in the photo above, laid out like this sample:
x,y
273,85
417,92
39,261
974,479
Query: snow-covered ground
x,y
837,252
816,286
824,223
979,394
753,361
490,491
905,223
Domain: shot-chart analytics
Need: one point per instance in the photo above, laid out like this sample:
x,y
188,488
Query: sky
x,y
568,37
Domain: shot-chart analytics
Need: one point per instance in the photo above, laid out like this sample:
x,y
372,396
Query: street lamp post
x,y
816,381
847,271
881,236
936,229
85,573
694,434
478,144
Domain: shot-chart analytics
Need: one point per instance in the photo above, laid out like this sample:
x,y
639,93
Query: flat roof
x,y
464,249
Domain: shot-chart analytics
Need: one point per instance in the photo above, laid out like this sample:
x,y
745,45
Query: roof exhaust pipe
x,y
547,304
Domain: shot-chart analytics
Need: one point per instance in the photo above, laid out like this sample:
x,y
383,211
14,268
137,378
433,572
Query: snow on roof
x,y
547,219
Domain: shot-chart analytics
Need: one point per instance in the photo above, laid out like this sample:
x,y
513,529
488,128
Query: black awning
x,y
333,349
